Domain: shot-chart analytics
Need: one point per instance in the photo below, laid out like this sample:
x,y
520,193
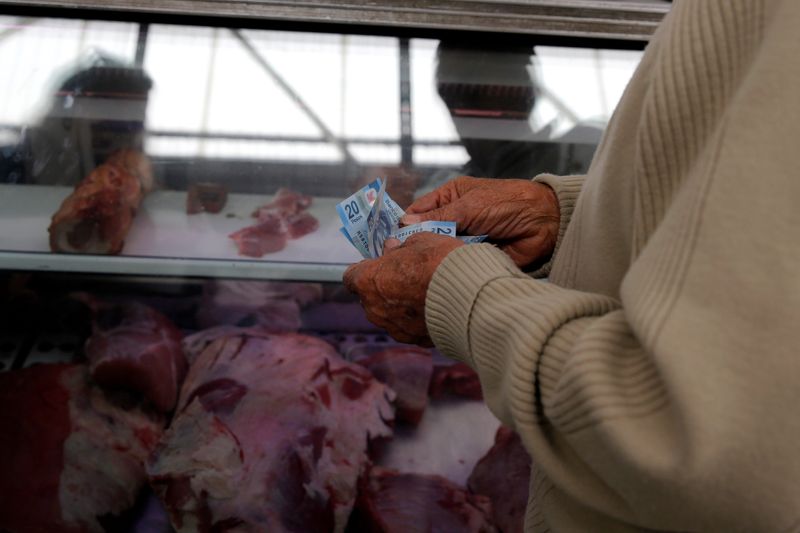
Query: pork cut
x,y
96,217
407,370
503,475
134,347
456,380
68,455
395,502
271,434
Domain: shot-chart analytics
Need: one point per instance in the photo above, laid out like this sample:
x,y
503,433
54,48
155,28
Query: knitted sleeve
x,y
673,406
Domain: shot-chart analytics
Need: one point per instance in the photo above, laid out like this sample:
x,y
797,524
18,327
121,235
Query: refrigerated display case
x,y
138,141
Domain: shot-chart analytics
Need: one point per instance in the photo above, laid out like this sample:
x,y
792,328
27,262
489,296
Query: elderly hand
x,y
393,287
520,216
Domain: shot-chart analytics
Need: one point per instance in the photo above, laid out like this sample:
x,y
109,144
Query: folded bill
x,y
432,226
370,216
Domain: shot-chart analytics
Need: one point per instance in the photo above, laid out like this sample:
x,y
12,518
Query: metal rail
x,y
606,19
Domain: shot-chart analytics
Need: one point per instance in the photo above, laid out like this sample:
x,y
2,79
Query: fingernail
x,y
391,244
411,219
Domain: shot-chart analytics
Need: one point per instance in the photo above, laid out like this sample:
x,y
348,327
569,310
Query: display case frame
x,y
633,20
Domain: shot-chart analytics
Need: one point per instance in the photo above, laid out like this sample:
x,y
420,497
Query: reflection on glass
x,y
254,112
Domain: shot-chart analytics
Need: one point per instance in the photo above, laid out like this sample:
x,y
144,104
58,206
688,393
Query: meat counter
x,y
176,350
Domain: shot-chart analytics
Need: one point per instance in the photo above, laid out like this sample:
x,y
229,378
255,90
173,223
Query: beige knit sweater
x,y
655,379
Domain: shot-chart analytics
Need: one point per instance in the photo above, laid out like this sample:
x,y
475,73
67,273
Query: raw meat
x,y
394,502
456,380
407,370
286,202
135,347
503,475
205,197
96,217
194,344
265,237
283,218
271,435
67,454
301,224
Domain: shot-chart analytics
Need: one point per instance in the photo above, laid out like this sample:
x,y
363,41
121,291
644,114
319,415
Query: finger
x,y
449,213
352,274
377,319
426,202
391,244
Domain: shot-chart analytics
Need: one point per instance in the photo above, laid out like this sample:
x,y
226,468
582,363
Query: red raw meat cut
x,y
271,435
503,475
283,218
394,502
407,370
301,224
265,237
135,347
67,454
286,202
457,380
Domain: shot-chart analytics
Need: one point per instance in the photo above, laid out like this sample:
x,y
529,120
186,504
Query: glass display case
x,y
139,147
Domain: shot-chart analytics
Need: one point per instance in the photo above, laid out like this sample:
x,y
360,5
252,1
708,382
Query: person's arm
x,y
674,407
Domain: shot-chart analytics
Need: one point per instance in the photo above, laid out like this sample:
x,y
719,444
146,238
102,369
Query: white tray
x,y
164,240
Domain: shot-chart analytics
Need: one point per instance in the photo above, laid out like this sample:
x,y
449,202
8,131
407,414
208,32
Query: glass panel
x,y
232,116
142,150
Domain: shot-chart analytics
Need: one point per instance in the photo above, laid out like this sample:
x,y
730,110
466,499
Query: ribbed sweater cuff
x,y
567,189
481,309
453,290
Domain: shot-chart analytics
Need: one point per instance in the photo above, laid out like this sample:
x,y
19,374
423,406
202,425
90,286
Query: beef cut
x,y
271,435
503,475
96,217
456,380
68,455
407,370
134,347
395,502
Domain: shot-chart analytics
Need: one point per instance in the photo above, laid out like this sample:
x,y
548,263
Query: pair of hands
x,y
520,216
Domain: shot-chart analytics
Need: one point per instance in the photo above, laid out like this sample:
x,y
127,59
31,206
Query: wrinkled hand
x,y
520,216
393,287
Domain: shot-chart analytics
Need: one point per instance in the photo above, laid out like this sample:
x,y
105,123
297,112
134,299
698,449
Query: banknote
x,y
432,226
353,213
382,221
370,216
